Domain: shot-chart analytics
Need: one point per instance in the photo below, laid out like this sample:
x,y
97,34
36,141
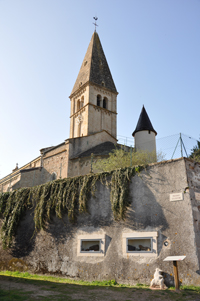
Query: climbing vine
x,y
64,196
12,206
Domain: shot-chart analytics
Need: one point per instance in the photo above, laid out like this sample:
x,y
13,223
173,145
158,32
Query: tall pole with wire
x,y
182,147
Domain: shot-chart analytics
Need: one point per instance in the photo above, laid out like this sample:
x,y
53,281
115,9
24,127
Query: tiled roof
x,y
101,149
95,68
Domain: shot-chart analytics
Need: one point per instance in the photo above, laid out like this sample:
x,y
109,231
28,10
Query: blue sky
x,y
152,48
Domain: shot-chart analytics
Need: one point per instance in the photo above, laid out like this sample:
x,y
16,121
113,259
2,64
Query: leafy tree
x,y
195,152
120,158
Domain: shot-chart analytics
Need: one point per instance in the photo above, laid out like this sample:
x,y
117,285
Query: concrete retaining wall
x,y
56,251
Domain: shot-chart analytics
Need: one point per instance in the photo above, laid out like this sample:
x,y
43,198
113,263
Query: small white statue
x,y
158,279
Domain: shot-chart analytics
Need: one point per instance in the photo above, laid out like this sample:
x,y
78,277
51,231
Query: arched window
x,y
78,105
82,101
98,100
105,103
53,176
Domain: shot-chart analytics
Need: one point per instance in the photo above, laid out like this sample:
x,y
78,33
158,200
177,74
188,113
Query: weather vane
x,y
95,18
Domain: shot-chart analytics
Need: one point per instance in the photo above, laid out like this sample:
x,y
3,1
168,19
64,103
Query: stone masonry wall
x,y
55,163
13,180
79,145
81,166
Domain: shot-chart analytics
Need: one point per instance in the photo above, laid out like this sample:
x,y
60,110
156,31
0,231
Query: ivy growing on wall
x,y
64,196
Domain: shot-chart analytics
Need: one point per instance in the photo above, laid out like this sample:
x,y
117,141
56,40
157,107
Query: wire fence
x,y
170,147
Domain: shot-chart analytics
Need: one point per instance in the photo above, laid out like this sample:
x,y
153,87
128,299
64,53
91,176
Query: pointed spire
x,y
95,68
144,123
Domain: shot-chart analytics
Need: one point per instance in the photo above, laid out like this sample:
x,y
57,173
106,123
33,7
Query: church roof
x,y
101,149
144,123
95,68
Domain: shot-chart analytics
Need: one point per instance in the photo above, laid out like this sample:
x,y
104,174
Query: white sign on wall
x,y
176,197
174,258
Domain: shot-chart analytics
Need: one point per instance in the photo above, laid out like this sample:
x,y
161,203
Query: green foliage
x,y
120,158
119,195
64,196
59,279
3,201
12,206
195,152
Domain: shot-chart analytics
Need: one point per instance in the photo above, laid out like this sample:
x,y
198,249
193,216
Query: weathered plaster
x,y
54,251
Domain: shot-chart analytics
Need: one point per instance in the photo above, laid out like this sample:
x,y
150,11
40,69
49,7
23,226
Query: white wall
x,y
145,141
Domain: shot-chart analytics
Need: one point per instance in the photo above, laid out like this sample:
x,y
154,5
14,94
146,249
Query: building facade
x,y
93,127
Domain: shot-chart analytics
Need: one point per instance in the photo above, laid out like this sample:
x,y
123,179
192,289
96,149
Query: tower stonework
x,y
94,95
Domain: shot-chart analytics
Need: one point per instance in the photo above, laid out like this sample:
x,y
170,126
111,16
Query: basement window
x,y
91,244
140,243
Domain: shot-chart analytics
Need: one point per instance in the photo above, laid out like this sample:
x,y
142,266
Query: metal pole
x,y
181,146
175,147
184,147
131,155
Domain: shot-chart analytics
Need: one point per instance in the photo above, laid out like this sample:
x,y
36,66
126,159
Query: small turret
x,y
144,133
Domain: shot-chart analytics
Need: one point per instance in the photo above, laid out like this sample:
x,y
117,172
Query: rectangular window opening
x,y
90,245
139,245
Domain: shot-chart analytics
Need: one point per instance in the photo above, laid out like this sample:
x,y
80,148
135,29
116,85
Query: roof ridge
x,y
91,55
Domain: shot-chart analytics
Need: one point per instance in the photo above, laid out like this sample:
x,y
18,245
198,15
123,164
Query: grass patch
x,y
29,276
110,283
60,288
191,288
142,285
13,295
26,286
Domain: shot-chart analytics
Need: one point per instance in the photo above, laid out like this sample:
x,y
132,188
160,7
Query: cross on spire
x,y
95,24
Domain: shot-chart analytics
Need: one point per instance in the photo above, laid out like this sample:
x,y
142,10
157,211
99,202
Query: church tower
x,y
144,134
94,95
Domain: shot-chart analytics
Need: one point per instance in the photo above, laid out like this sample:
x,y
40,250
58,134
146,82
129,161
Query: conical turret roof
x,y
95,68
144,123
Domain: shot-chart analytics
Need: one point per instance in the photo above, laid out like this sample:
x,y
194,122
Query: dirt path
x,y
23,289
